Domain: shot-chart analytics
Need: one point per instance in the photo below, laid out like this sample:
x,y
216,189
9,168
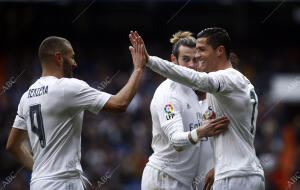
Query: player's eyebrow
x,y
200,47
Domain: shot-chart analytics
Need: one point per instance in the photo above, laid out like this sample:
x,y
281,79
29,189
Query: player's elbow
x,y
121,108
116,105
10,147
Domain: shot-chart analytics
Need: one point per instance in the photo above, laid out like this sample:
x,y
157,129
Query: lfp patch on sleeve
x,y
169,111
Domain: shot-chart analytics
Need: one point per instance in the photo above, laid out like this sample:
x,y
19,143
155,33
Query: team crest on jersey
x,y
209,114
169,111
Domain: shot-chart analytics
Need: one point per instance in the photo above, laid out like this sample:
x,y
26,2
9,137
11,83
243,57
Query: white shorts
x,y
57,184
158,180
253,182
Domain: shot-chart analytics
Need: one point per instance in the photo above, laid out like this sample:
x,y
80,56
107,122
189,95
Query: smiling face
x,y
206,56
186,57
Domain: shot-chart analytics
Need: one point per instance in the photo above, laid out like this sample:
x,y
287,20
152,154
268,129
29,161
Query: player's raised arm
x,y
120,101
197,80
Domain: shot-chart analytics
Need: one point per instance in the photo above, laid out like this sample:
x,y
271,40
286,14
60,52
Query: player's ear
x,y
58,57
220,50
174,59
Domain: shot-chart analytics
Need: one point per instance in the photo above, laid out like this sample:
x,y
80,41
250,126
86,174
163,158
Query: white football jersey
x,y
52,113
174,105
232,95
206,159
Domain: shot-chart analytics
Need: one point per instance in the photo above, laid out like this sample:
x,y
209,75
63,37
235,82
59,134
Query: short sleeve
x,y
20,122
84,97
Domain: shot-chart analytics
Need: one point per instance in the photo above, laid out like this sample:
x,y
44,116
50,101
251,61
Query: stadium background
x,y
265,36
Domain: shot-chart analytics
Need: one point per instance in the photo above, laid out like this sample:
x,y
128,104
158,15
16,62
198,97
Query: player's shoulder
x,y
165,93
229,72
234,76
73,82
24,97
166,89
70,86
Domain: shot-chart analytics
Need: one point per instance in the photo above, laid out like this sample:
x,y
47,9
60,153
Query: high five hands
x,y
138,49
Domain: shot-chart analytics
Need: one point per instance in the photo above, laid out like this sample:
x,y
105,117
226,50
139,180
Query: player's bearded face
x,y
67,68
187,58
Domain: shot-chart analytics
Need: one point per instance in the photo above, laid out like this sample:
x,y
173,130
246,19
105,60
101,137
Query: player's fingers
x,y
210,185
138,50
134,39
140,40
133,35
142,50
133,43
140,43
132,51
136,34
205,184
222,123
131,39
221,120
138,37
218,131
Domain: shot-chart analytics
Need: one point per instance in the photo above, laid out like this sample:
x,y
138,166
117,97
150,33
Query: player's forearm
x,y
179,140
125,95
183,75
22,156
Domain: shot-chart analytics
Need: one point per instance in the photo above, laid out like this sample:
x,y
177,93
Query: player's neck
x,y
225,64
52,73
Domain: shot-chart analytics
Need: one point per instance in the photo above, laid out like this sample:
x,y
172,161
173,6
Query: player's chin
x,y
201,68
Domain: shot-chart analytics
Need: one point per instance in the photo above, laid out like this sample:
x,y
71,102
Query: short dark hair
x,y
182,38
50,45
217,37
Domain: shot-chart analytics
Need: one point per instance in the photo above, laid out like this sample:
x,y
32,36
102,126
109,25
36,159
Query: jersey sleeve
x,y
84,97
20,122
213,82
169,114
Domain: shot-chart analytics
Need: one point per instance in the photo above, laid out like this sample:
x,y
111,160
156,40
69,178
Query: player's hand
x,y
138,54
136,39
213,127
209,179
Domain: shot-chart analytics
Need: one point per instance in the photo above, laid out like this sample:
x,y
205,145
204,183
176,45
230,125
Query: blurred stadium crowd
x,y
118,145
